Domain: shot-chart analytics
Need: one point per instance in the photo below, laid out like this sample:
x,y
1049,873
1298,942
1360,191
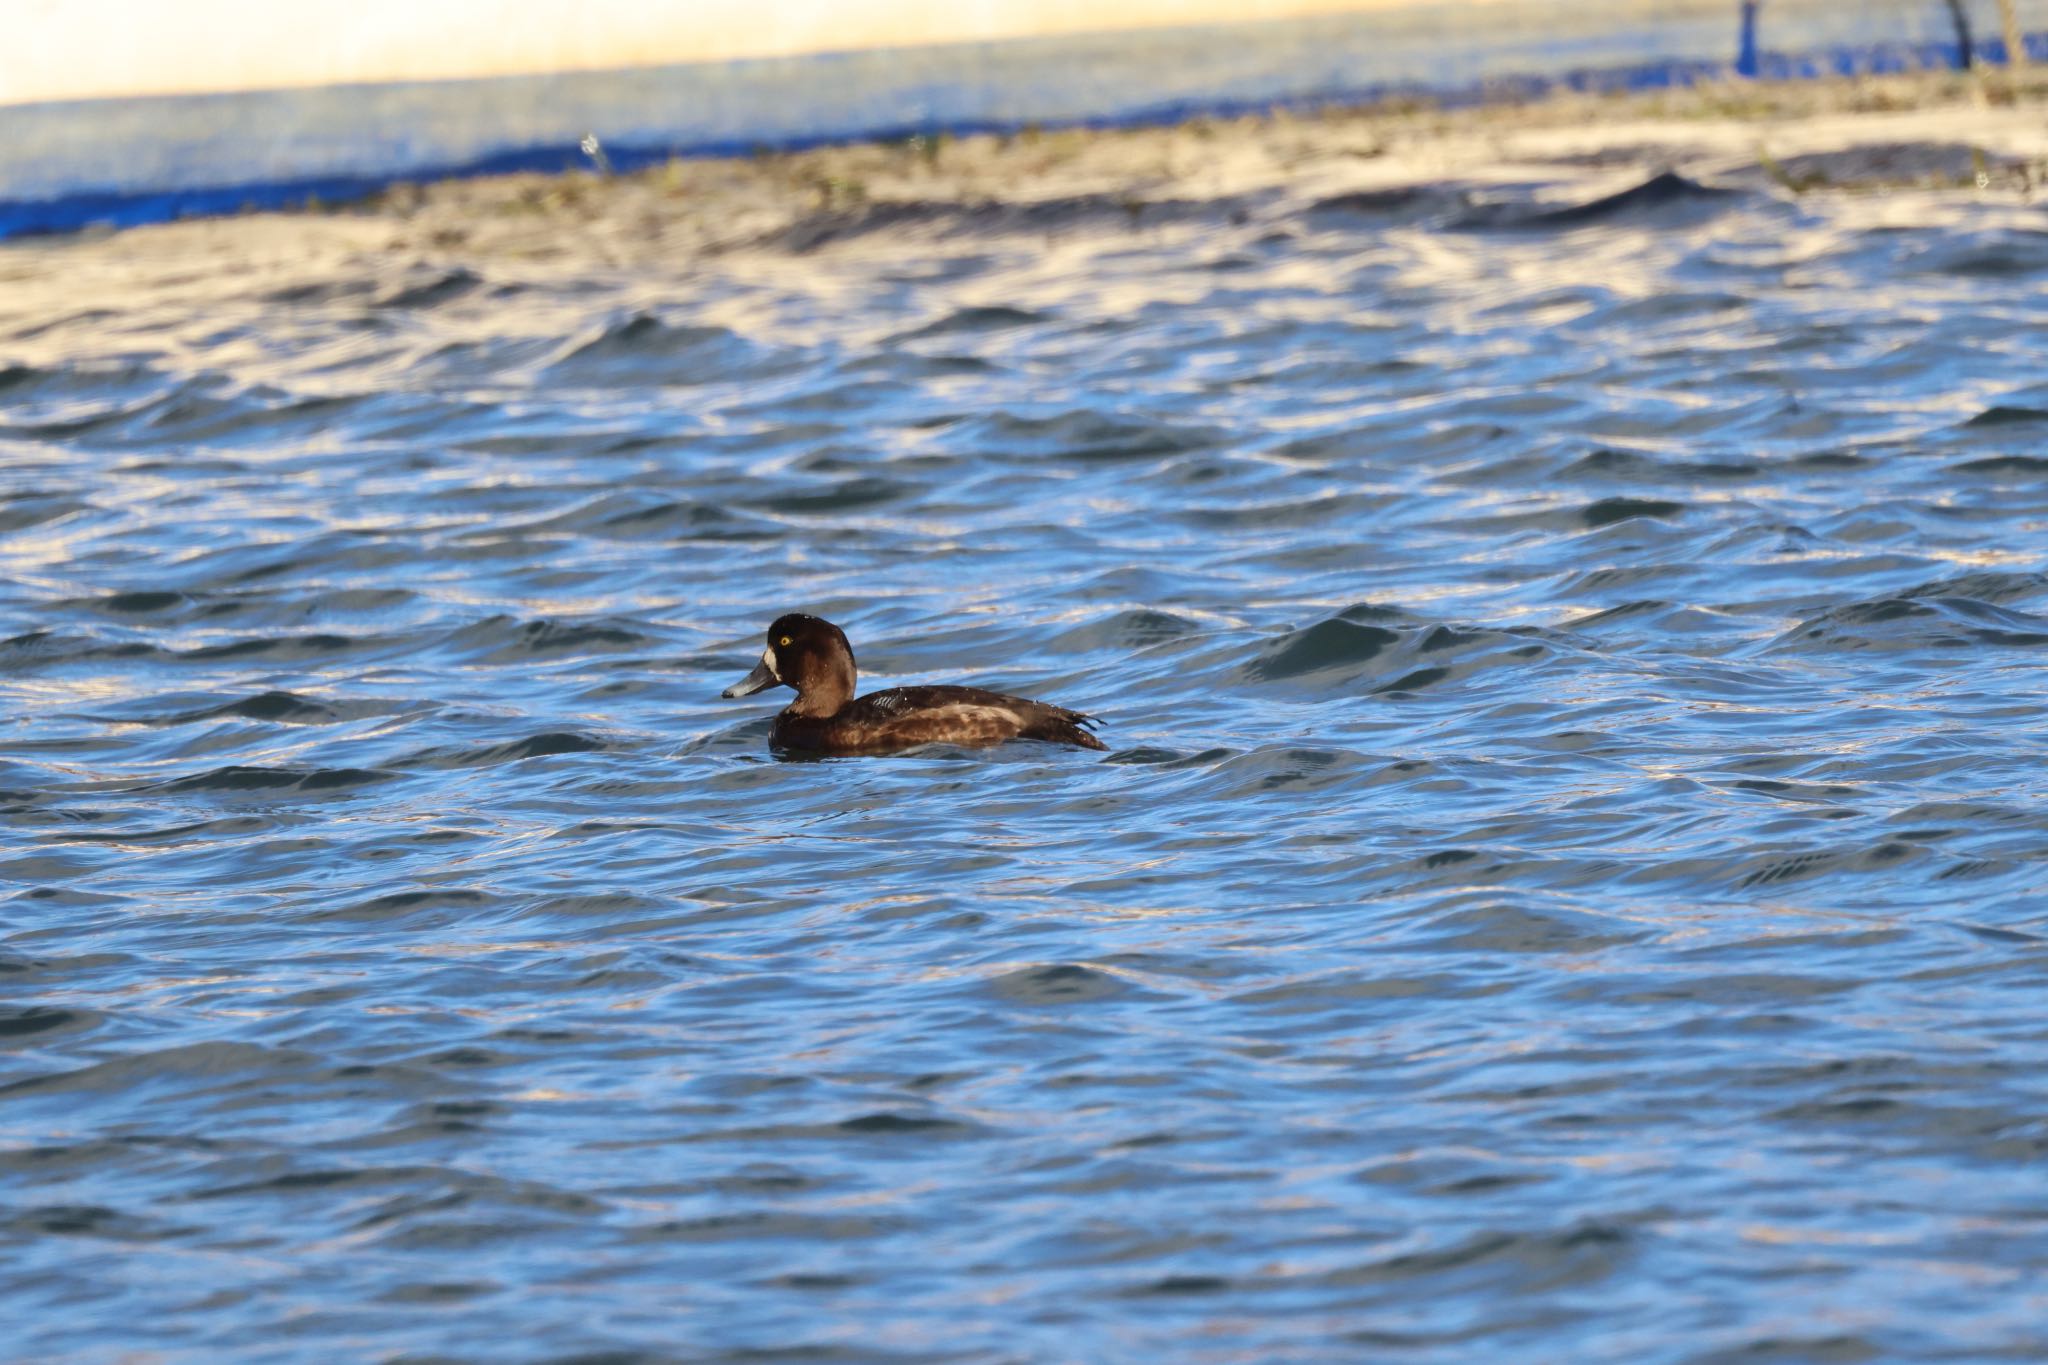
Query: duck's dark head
x,y
808,654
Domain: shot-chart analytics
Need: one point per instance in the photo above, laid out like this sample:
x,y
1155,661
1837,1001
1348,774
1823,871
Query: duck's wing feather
x,y
967,715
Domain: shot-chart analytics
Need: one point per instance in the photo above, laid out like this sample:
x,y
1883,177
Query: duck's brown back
x,y
904,717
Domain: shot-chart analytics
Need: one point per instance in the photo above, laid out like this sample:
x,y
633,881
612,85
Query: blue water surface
x,y
1568,883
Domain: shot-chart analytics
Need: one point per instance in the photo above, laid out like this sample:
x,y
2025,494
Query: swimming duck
x,y
813,656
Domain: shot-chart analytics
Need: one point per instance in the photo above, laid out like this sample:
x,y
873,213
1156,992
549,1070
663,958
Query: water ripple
x,y
1566,883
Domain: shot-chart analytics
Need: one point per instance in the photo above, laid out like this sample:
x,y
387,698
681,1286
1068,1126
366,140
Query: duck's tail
x,y
1058,725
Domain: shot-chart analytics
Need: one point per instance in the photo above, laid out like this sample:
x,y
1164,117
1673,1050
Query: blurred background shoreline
x,y
1945,135
231,108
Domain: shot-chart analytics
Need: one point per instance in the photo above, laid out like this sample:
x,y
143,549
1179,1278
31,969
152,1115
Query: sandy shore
x,y
1980,134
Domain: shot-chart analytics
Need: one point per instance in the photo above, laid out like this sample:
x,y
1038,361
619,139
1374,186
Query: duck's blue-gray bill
x,y
762,676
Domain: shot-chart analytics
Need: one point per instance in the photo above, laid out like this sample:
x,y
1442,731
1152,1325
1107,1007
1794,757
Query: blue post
x,y
1745,54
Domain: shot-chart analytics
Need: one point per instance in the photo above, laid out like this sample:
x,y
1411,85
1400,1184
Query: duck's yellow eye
x,y
784,642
